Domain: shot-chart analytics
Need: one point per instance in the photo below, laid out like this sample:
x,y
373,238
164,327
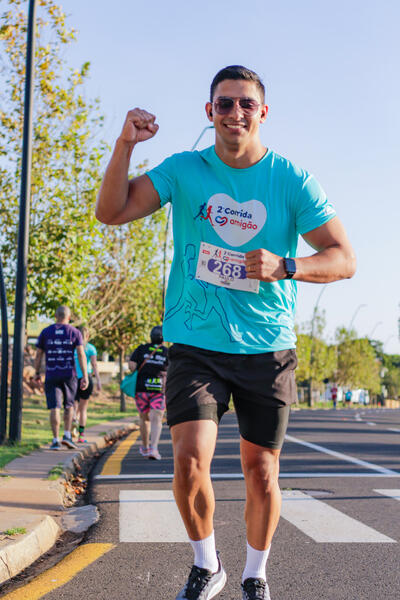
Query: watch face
x,y
290,267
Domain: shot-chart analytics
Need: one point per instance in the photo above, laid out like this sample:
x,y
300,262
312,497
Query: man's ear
x,y
209,112
264,113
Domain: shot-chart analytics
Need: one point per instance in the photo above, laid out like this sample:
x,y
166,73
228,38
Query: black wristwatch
x,y
290,267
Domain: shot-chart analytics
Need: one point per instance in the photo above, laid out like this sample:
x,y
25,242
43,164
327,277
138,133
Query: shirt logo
x,y
235,223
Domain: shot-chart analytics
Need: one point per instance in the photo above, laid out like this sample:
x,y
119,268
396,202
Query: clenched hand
x,y
139,126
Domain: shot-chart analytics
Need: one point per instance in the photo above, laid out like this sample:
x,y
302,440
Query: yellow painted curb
x,y
112,466
59,575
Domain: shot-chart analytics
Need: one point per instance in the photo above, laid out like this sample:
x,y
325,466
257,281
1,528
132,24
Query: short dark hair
x,y
237,72
156,335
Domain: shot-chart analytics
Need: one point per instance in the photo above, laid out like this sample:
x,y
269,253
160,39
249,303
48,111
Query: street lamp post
x,y
355,314
23,237
315,311
167,226
373,329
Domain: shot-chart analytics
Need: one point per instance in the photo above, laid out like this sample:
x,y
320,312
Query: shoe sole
x,y
69,445
218,586
54,448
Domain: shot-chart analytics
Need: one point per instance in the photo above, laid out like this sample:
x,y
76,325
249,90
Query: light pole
x,y
373,329
315,311
387,339
23,237
167,227
355,314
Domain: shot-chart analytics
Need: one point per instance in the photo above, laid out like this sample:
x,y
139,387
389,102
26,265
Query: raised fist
x,y
139,126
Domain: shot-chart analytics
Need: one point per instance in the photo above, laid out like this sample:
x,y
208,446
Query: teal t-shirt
x,y
90,350
218,208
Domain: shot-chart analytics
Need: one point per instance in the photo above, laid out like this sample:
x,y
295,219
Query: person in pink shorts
x,y
151,361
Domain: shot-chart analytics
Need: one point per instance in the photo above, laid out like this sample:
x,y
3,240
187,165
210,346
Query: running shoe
x,y
68,442
255,589
81,440
144,451
55,445
203,584
154,454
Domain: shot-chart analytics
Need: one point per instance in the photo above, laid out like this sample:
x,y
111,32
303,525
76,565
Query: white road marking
x,y
371,424
345,457
394,429
149,516
215,476
326,524
395,494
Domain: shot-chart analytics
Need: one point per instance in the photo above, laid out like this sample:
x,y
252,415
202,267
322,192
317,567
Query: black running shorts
x,y
201,382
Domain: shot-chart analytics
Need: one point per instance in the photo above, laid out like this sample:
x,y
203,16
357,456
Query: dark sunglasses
x,y
224,104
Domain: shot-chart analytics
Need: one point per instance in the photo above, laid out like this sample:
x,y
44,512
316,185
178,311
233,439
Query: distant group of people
x,y
71,363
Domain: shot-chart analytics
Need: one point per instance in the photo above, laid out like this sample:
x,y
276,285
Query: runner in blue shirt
x,y
238,211
82,396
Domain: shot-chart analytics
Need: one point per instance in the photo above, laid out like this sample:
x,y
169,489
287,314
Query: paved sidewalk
x,y
29,500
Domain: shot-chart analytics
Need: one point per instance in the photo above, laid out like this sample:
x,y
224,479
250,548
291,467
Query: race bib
x,y
225,268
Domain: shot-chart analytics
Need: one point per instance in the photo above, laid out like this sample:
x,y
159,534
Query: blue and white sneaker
x,y
255,589
203,584
67,441
55,445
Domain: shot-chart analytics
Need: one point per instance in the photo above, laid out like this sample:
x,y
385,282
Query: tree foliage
x,y
109,276
358,366
66,158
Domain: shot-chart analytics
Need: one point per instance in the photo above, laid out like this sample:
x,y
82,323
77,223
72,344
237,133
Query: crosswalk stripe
x,y
341,456
395,494
149,516
224,476
326,524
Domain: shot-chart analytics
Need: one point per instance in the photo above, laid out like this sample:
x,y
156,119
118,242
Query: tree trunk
x,y
122,398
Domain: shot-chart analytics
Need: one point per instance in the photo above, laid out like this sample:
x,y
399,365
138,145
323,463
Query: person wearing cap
x,y
151,361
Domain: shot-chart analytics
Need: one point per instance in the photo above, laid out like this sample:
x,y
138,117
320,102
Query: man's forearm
x,y
113,193
331,264
38,361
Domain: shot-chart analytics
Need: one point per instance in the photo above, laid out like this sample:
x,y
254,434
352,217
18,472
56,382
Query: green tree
x,y
357,366
316,358
65,161
126,292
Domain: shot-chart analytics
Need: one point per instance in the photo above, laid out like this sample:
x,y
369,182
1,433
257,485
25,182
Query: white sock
x,y
205,554
67,433
55,440
255,563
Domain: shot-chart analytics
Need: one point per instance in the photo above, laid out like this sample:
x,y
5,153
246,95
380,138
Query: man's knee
x,y
262,475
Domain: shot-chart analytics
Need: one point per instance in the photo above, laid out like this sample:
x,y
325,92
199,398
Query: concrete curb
x,y
42,530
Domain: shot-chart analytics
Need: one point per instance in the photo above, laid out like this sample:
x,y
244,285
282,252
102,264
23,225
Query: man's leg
x,y
55,422
194,445
68,416
263,497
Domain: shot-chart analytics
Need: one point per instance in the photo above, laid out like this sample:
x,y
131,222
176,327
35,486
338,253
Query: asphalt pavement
x,y
338,537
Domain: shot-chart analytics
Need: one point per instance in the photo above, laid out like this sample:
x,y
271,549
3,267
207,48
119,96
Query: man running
x,y
245,259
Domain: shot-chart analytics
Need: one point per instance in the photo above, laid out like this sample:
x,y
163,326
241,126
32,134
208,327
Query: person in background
x,y
58,342
151,360
82,396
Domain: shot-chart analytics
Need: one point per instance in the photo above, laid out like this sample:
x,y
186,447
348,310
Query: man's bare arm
x,y
121,200
38,360
334,259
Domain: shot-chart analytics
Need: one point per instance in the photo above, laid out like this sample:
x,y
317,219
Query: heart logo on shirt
x,y
236,223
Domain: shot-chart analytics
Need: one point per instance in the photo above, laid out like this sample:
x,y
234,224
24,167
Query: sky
x,y
331,75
